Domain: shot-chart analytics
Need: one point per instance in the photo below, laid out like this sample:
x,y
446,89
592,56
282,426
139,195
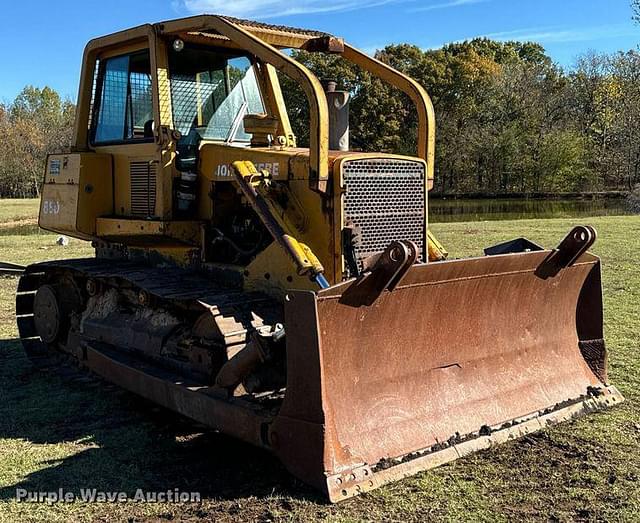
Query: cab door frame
x,y
160,152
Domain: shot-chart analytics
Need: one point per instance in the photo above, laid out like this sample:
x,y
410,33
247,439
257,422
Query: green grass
x,y
18,209
18,217
60,433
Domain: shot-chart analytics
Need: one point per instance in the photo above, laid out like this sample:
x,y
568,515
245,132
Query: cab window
x,y
211,92
123,107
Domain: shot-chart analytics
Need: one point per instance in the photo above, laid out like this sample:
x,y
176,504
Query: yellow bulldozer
x,y
294,297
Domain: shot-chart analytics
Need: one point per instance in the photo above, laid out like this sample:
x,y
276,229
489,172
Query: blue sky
x,y
48,49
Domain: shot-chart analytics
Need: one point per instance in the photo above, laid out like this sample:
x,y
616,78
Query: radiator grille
x,y
143,188
386,200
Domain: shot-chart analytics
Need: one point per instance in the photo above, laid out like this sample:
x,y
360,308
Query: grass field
x,y
71,434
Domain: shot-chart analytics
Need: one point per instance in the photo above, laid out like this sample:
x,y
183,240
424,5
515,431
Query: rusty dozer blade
x,y
460,355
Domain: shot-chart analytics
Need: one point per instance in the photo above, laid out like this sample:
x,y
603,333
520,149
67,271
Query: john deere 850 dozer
x,y
294,297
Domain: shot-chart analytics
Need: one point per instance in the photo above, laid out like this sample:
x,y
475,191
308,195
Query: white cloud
x,y
446,5
560,35
263,9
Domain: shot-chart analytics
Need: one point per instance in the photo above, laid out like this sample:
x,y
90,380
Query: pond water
x,y
467,210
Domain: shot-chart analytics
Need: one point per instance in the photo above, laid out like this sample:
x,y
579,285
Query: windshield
x,y
211,92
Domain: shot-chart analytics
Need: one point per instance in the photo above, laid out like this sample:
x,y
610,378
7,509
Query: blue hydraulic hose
x,y
321,280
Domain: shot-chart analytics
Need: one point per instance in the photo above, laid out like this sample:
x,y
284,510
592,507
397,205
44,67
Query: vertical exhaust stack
x,y
338,102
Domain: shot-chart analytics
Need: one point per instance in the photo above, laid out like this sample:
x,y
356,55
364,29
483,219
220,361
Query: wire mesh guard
x,y
193,98
386,200
214,101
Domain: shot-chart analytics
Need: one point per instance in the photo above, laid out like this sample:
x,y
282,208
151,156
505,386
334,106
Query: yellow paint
x,y
76,191
308,180
272,272
436,251
271,214
183,231
216,160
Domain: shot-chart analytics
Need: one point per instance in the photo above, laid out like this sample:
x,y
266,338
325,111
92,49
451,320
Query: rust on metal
x,y
458,350
576,243
324,44
405,368
400,361
380,272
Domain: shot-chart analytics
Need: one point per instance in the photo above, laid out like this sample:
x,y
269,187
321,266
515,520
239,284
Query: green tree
x,y
605,94
377,110
36,123
564,163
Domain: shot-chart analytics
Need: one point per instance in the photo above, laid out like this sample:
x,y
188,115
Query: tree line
x,y
36,123
508,119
